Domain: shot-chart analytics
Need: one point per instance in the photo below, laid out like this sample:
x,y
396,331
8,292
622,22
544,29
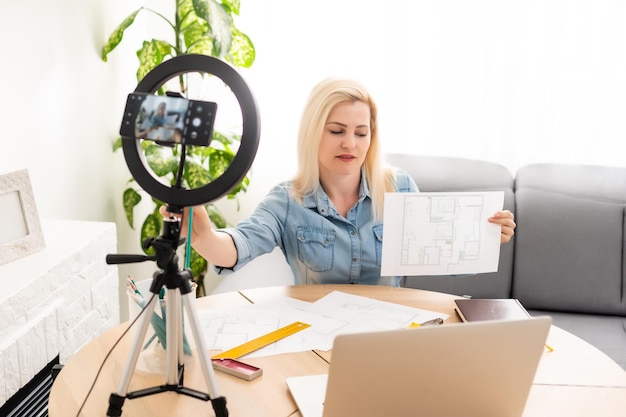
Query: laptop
x,y
476,369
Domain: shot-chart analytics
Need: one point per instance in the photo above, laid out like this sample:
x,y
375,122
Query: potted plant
x,y
197,27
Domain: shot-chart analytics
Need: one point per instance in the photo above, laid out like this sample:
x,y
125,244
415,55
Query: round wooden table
x,y
574,380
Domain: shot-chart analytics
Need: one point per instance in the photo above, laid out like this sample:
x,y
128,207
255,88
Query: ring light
x,y
242,161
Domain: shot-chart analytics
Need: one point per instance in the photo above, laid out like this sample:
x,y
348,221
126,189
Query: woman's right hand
x,y
216,247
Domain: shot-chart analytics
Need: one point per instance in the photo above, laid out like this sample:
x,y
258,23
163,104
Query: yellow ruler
x,y
261,341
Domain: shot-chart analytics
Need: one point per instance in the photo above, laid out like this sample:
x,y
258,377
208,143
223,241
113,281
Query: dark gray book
x,y
477,309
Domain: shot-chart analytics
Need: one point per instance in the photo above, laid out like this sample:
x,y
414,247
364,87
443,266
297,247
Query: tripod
x,y
179,292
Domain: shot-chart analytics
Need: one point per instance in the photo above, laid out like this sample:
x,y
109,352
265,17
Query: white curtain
x,y
515,82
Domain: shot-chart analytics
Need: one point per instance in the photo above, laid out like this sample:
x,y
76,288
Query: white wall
x,y
60,107
510,81
57,104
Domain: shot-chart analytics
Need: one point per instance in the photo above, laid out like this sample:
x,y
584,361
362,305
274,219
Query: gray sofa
x,y
568,256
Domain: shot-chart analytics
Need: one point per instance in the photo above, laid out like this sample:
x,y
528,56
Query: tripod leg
x,y
181,339
203,355
117,399
173,323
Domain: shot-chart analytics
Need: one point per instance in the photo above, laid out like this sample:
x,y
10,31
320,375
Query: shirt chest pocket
x,y
378,243
316,247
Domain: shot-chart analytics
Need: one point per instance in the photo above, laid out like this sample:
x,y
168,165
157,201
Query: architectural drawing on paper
x,y
454,229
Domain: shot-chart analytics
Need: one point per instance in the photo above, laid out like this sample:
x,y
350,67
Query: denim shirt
x,y
320,245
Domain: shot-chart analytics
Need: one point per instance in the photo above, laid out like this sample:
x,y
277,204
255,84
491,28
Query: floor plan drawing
x,y
440,233
455,225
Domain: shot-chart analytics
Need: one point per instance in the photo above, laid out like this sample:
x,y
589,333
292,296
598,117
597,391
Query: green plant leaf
x,y
195,30
151,228
118,34
232,5
186,14
160,160
216,216
219,23
205,153
196,175
242,52
117,144
225,140
145,144
201,45
197,264
241,187
130,199
150,55
219,161
157,203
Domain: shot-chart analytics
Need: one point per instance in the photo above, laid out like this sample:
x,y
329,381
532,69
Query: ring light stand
x,y
170,276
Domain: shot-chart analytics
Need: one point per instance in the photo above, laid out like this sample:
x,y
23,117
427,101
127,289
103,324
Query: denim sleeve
x,y
405,182
262,231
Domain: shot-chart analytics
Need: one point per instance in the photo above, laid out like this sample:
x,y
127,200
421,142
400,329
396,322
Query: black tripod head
x,y
165,247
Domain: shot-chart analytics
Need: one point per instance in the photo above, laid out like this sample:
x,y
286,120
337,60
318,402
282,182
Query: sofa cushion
x,y
449,174
569,241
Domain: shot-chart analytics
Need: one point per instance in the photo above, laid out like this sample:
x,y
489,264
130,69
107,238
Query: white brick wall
x,y
55,301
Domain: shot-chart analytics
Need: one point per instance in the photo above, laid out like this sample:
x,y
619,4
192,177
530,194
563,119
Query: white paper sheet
x,y
441,233
334,314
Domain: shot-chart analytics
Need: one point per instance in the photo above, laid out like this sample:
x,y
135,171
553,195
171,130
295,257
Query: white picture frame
x,y
20,229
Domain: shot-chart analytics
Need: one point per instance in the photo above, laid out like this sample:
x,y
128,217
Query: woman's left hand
x,y
506,220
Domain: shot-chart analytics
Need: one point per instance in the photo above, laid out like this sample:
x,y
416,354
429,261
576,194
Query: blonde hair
x,y
323,98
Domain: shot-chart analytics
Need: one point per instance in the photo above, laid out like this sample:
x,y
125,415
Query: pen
x,y
131,284
137,298
158,323
434,322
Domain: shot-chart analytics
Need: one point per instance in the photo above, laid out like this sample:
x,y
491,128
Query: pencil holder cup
x,y
153,354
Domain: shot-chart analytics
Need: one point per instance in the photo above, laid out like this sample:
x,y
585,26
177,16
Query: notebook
x,y
475,309
476,369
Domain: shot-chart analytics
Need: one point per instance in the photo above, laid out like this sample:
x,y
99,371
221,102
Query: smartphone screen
x,y
168,120
161,118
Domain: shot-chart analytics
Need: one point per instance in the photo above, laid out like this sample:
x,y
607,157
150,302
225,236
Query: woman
x,y
327,220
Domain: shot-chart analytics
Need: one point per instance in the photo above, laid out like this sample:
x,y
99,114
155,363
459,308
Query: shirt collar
x,y
321,201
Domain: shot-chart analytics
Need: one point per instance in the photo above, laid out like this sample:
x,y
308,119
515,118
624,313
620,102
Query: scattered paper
x,y
334,314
